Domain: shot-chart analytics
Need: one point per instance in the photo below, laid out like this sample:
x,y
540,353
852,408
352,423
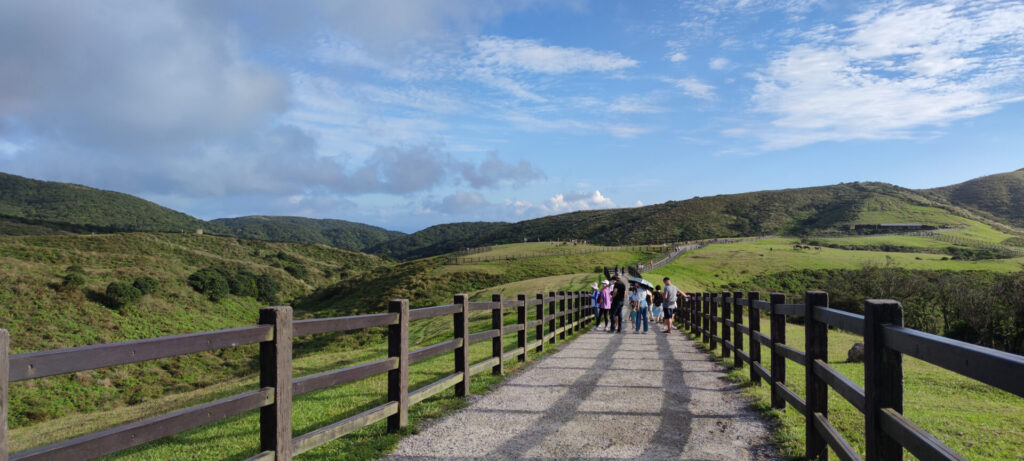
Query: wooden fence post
x,y
578,312
461,321
705,332
754,321
5,375
737,335
714,322
276,372
540,326
883,378
521,334
816,348
778,332
726,315
551,314
561,311
498,342
689,314
398,379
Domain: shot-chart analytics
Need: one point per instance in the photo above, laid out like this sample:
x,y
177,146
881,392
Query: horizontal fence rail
x,y
707,317
558,315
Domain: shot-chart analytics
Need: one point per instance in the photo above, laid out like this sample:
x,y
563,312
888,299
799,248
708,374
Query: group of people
x,y
645,306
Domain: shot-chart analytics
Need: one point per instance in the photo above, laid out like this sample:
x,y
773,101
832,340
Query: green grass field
x,y
975,419
710,267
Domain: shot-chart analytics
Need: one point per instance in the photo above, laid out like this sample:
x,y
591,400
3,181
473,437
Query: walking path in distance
x,y
608,396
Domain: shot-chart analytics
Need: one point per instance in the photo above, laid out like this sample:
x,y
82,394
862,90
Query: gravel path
x,y
604,396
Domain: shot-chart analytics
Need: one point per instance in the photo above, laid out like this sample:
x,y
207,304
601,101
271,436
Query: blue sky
x,y
406,114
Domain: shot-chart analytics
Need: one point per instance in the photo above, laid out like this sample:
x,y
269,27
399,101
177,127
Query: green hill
x,y
28,206
337,233
813,210
999,196
436,240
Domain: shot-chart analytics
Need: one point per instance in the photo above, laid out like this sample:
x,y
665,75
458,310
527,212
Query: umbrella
x,y
642,281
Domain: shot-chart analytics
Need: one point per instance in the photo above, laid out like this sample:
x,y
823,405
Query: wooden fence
x,y
887,431
556,316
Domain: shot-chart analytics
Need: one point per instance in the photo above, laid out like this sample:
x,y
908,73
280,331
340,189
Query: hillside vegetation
x,y
47,207
334,232
55,291
998,196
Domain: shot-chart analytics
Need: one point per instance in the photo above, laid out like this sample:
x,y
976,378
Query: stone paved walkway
x,y
604,396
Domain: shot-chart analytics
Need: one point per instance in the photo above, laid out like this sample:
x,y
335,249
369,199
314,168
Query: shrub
x,y
74,269
267,288
243,284
146,284
299,272
121,294
210,282
72,281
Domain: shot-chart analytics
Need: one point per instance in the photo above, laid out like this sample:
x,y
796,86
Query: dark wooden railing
x,y
277,387
886,340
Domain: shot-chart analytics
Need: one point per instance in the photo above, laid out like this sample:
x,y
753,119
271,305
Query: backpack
x,y
658,298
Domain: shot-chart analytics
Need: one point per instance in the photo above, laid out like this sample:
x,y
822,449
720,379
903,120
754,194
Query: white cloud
x,y
895,70
676,52
718,63
561,203
532,56
573,201
695,88
636,105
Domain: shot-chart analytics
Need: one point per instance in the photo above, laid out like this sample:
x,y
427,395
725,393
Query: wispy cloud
x,y
527,122
894,70
694,88
636,105
718,63
533,56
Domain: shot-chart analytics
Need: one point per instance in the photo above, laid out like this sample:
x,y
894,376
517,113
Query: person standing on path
x,y
595,300
604,302
618,296
640,296
669,303
659,298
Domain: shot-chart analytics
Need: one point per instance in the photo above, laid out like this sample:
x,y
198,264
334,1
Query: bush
x,y
299,272
211,282
146,284
267,288
243,284
74,269
72,281
121,294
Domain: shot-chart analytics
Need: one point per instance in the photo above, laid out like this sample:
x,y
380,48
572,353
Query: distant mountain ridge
x,y
29,206
333,232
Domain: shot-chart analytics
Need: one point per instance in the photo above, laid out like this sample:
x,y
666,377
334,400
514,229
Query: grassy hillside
x,y
74,208
337,233
42,310
1000,196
